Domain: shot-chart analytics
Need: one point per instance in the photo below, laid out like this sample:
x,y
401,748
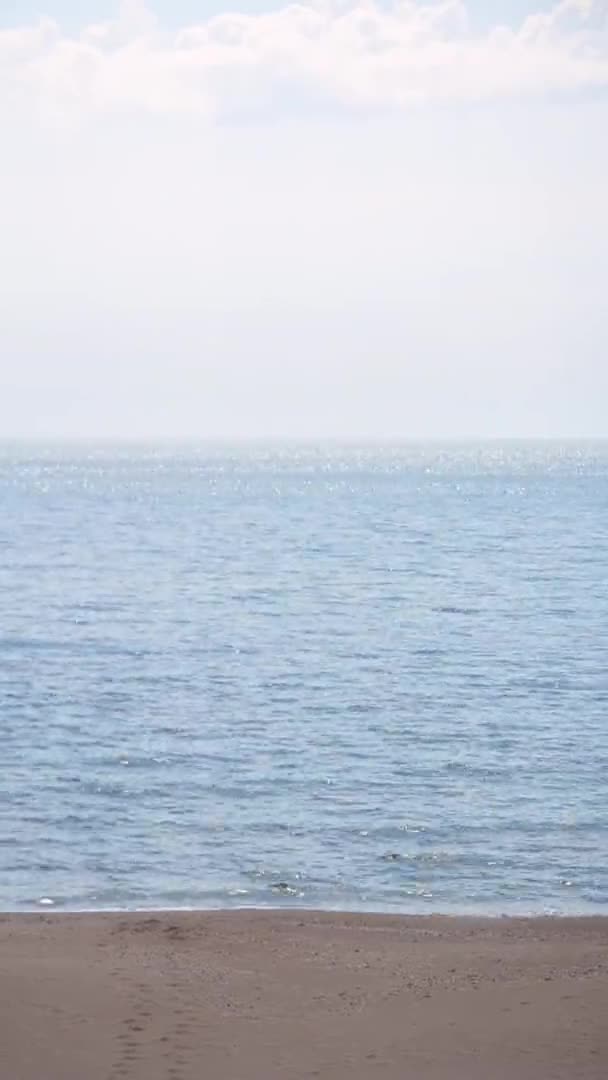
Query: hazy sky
x,y
341,217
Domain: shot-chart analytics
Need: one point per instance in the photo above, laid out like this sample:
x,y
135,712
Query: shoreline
x,y
55,910
49,906
288,994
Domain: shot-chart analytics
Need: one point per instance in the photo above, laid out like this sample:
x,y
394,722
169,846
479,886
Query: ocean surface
x,y
337,677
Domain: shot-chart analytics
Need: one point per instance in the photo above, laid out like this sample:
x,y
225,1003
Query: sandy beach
x,y
281,995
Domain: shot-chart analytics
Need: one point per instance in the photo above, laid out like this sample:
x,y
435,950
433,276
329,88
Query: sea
x,y
346,677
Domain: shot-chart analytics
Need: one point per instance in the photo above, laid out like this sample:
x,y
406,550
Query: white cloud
x,y
428,271
344,53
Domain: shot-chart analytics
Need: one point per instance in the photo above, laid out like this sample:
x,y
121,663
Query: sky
x,y
341,218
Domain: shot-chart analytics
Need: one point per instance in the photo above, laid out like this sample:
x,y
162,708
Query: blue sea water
x,y
343,677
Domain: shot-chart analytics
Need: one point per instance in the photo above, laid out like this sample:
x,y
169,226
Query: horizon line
x,y
356,440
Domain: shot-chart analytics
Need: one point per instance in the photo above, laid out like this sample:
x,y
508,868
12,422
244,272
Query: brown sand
x,y
275,996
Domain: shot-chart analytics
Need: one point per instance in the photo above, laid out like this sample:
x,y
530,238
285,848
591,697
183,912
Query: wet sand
x,y
285,995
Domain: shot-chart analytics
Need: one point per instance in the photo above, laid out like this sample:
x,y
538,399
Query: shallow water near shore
x,y
362,677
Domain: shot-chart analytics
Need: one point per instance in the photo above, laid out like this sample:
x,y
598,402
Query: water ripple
x,y
325,676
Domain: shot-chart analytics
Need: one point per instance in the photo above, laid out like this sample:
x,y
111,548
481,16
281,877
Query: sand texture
x,y
286,995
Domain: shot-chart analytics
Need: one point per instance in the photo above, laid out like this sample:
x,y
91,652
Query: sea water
x,y
330,676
